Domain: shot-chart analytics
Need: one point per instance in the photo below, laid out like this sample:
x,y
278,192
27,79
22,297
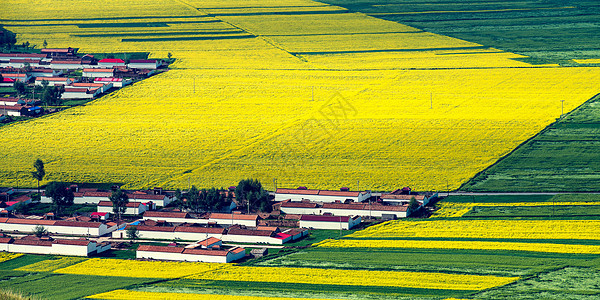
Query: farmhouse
x,y
59,52
102,87
66,64
35,245
54,81
56,226
7,82
341,209
321,195
105,72
158,199
188,233
210,255
329,222
45,72
132,208
111,63
12,110
33,56
234,219
17,76
22,62
150,64
240,234
80,93
172,217
396,198
116,82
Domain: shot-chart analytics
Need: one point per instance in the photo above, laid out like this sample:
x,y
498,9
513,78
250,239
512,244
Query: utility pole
x,y
430,100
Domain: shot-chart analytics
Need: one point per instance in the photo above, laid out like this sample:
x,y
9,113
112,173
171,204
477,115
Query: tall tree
x,y
250,193
61,195
39,172
45,44
193,199
119,201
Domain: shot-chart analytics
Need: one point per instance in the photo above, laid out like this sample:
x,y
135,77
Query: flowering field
x,y
495,229
137,269
471,245
355,277
300,83
51,264
140,295
4,256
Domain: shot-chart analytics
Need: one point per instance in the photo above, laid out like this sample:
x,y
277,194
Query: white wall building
x,y
104,72
190,254
55,247
55,226
172,217
54,81
321,195
341,209
150,64
329,222
234,219
132,208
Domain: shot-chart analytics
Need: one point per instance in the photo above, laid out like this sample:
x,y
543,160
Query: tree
x,y
413,205
119,201
61,195
193,199
52,94
40,231
20,87
169,55
45,44
39,172
251,193
132,233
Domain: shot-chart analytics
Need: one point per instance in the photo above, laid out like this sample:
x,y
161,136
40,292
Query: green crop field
x,y
563,157
551,31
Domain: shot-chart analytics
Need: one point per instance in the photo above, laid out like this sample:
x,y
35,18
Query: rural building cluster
x,y
81,76
205,236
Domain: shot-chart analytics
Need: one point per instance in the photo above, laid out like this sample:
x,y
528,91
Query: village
x,y
72,75
163,231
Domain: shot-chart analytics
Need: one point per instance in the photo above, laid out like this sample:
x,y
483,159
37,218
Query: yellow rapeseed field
x,y
493,229
312,99
470,245
50,265
137,269
4,256
355,277
455,210
139,295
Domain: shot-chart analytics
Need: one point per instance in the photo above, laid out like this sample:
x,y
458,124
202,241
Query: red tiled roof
x,y
298,204
76,90
152,228
66,62
11,107
237,250
239,231
199,229
96,194
165,214
52,79
324,218
102,70
30,221
282,236
32,242
209,241
8,80
206,252
102,214
111,60
146,196
142,61
232,216
23,55
160,249
6,240
108,79
14,75
73,242
88,84
59,50
78,224
402,197
339,193
296,191
24,60
3,220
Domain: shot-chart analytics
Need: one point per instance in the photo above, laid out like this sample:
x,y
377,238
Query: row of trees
x,y
49,95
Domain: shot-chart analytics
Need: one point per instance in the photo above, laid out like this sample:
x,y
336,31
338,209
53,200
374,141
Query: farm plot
x,y
245,107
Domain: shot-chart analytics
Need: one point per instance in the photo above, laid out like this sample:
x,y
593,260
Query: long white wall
x,y
178,220
82,231
330,225
249,223
55,249
340,212
251,239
